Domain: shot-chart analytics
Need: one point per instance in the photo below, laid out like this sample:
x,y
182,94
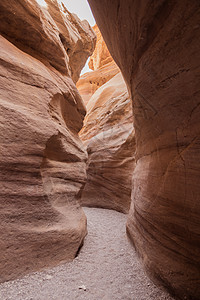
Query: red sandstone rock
x,y
103,66
42,162
107,132
101,56
109,136
91,81
156,45
53,35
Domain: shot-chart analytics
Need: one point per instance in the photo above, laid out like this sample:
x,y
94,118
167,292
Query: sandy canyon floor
x,y
107,268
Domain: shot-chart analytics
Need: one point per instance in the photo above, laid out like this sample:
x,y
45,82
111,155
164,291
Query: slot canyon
x,y
100,171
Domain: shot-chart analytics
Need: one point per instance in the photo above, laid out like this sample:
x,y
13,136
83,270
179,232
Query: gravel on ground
x,y
107,268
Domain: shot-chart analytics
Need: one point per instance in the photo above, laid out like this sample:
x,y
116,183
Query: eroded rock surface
x,y
42,159
103,66
108,134
156,45
101,56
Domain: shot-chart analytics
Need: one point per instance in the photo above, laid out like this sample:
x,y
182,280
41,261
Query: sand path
x,y
107,266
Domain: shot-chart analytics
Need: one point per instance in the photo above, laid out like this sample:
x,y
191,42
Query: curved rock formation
x,y
107,132
103,66
52,34
91,81
101,56
42,159
156,45
109,136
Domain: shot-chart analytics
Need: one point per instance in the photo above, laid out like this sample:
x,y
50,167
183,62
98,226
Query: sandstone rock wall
x,y
91,81
107,133
101,56
42,161
156,45
103,66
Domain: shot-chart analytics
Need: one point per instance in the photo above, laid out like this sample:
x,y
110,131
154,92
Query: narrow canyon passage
x,y
123,136
106,265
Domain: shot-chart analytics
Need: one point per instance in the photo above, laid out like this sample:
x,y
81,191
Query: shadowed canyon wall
x,y
107,133
156,45
42,161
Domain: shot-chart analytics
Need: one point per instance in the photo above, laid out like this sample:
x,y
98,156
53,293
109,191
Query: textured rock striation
x,y
42,161
156,45
101,56
103,66
91,81
108,134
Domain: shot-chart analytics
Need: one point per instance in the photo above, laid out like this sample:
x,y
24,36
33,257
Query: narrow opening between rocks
x,y
68,146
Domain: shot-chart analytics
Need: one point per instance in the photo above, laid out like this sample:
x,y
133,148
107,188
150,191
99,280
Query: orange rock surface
x,y
107,132
103,66
42,161
156,45
109,136
101,56
91,81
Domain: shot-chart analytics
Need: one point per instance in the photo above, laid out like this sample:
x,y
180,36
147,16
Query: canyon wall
x,y
110,140
156,45
107,133
42,161
103,66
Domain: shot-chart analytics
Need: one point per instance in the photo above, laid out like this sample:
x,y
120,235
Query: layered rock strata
x,y
91,81
101,56
109,136
156,45
42,161
107,133
103,66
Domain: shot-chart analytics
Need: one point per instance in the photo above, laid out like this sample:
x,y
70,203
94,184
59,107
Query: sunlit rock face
x,y
109,136
103,66
42,161
107,133
101,56
156,45
52,34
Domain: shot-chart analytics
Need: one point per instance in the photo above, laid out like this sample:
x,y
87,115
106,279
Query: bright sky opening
x,y
81,8
41,2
